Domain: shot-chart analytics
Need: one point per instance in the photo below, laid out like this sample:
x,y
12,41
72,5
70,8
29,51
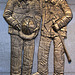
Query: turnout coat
x,y
55,13
17,10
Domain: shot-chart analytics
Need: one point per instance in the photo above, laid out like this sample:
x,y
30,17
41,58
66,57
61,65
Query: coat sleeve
x,y
66,18
8,13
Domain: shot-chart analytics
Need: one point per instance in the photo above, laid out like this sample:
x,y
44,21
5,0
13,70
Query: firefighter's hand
x,y
18,27
55,27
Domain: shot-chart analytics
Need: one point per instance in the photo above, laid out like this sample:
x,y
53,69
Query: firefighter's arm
x,y
66,18
8,14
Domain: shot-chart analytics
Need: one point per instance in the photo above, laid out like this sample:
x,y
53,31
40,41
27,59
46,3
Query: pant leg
x,y
28,57
43,55
16,54
58,57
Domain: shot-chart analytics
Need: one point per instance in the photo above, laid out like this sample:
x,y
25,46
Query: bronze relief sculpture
x,y
24,18
56,14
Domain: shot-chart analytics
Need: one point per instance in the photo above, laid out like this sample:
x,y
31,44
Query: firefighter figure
x,y
23,17
56,14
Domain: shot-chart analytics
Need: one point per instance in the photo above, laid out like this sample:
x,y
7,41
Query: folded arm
x,y
66,18
8,14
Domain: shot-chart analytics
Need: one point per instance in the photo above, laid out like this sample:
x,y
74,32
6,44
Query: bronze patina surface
x,y
23,17
56,14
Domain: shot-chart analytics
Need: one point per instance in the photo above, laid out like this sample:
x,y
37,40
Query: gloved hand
x,y
55,27
18,27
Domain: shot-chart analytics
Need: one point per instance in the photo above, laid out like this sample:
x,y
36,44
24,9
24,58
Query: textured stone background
x,y
5,45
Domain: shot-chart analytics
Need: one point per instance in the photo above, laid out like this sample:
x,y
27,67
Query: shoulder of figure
x,y
58,1
61,1
12,1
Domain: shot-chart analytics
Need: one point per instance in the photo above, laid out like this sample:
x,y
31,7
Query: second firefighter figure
x,y
56,14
